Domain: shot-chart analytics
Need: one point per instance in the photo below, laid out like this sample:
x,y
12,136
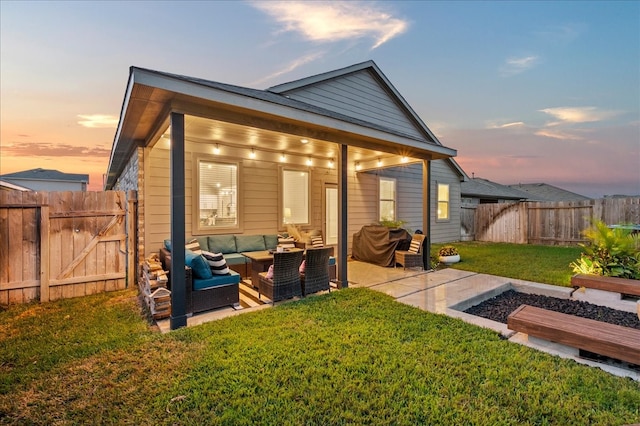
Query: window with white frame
x,y
217,195
387,199
443,201
295,197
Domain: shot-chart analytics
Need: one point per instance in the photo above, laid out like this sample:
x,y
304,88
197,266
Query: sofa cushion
x,y
235,259
222,244
167,244
198,264
203,240
202,284
249,243
270,241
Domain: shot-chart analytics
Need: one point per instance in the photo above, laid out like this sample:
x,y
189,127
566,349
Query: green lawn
x,y
543,264
353,356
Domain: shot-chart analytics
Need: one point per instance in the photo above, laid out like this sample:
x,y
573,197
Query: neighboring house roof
x,y
150,95
8,186
46,174
483,188
546,192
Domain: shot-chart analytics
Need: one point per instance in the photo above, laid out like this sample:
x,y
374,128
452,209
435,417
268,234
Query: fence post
x,y
132,244
44,253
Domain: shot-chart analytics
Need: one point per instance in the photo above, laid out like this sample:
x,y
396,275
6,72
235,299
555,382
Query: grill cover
x,y
376,244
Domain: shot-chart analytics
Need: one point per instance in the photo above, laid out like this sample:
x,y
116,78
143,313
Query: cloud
x,y
98,121
506,125
334,21
578,114
558,135
516,65
290,67
46,149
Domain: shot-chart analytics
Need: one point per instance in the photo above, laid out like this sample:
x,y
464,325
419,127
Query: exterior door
x,y
330,214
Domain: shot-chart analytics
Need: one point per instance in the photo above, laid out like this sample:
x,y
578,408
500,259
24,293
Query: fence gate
x,y
64,244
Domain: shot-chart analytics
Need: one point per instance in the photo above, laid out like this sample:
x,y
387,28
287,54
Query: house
x,y
546,192
481,191
48,180
332,152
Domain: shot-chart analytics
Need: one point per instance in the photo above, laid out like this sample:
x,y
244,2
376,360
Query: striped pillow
x,y
194,246
316,242
216,262
415,246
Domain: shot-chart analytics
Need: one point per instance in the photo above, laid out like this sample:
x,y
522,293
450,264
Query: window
x,y
295,197
217,195
443,201
387,199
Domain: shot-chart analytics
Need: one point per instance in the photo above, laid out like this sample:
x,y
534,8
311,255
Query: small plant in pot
x,y
448,255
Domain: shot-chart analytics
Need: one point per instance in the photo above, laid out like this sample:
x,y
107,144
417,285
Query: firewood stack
x,y
154,287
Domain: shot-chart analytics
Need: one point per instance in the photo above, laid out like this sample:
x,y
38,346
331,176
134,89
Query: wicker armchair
x,y
286,277
316,271
413,257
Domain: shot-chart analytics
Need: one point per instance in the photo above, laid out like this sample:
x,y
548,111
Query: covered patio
x,y
172,126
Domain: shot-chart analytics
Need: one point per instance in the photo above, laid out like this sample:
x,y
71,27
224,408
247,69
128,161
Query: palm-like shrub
x,y
609,252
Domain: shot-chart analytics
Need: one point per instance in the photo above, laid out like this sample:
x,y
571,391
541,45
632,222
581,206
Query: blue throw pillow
x,y
198,264
167,244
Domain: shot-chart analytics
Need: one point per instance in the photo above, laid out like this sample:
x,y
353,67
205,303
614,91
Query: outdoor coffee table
x,y
260,262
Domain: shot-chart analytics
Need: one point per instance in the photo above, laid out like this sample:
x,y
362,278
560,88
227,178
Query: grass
x,y
543,264
349,357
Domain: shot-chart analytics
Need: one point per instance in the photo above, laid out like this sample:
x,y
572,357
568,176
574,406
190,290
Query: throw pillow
x,y
287,242
269,275
194,246
415,246
198,264
317,242
302,266
216,262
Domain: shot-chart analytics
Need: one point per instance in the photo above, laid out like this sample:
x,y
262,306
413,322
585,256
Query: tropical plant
x,y
447,251
612,252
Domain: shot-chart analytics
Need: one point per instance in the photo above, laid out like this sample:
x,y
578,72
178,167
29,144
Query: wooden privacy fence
x,y
56,245
549,223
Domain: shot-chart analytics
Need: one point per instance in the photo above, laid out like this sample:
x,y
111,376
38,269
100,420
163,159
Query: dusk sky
x,y
525,91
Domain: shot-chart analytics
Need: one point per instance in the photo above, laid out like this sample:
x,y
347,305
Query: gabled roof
x,y
483,188
368,66
46,174
546,192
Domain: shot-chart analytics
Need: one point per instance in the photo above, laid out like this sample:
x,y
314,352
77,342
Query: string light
x,y
216,150
252,154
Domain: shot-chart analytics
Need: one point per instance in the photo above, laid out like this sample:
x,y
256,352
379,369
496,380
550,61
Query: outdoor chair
x,y
285,283
315,277
413,257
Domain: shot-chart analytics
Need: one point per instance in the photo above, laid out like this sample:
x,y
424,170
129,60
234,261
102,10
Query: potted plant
x,y
448,255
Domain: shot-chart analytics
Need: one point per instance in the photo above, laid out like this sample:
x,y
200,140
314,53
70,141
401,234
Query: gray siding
x,y
358,95
409,205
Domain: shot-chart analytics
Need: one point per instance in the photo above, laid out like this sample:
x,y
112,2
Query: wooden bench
x,y
614,341
613,284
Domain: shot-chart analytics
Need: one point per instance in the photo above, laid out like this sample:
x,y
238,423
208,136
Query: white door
x,y
331,214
